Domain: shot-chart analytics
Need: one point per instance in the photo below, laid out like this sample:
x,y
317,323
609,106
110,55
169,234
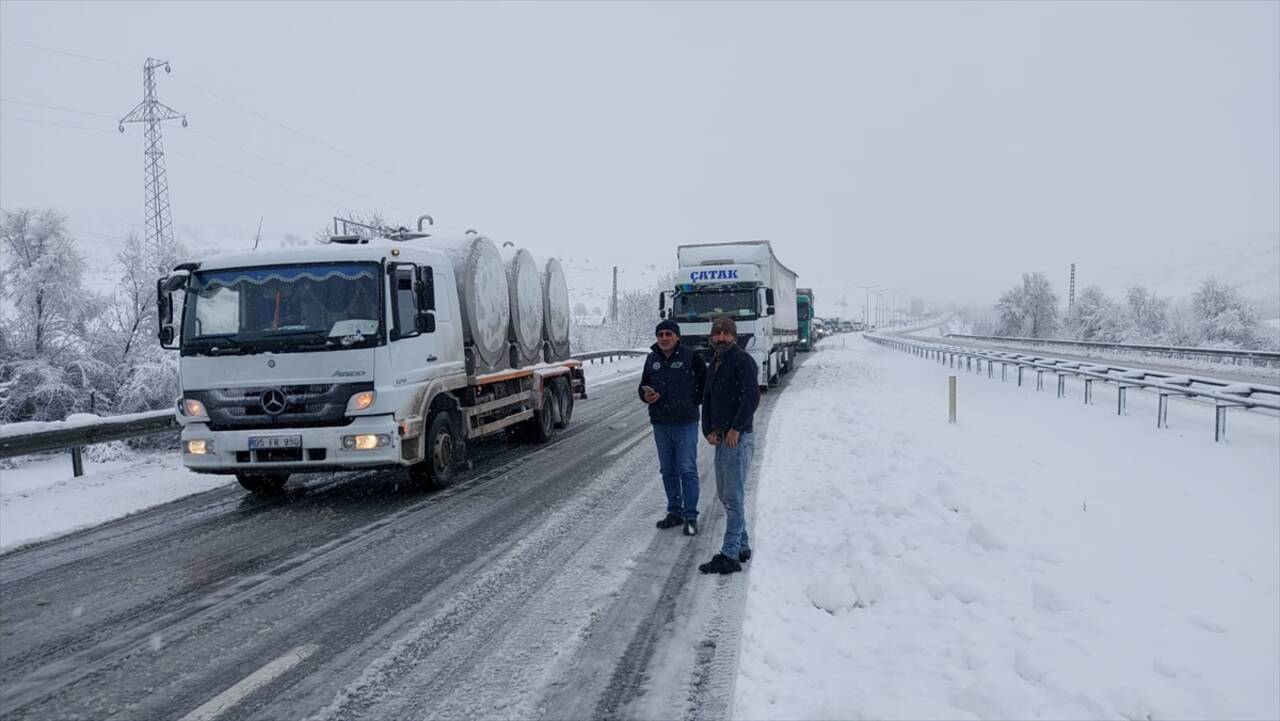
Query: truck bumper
x,y
322,448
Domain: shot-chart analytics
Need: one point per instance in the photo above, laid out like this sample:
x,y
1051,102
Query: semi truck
x,y
366,353
745,281
804,315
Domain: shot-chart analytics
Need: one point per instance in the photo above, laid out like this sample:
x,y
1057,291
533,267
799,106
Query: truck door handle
x,y
431,358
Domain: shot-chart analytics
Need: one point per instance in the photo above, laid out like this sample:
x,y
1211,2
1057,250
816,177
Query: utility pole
x,y
866,308
152,112
613,308
1071,294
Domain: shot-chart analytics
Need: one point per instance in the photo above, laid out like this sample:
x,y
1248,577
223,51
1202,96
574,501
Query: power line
x,y
228,101
56,124
297,132
330,203
69,54
303,173
206,136
223,168
55,107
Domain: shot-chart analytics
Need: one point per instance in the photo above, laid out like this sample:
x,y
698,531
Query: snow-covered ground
x,y
1039,559
41,499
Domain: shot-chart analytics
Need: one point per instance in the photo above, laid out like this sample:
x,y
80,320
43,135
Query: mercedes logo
x,y
273,402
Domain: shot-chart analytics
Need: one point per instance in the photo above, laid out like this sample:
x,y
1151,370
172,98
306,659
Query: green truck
x,y
804,314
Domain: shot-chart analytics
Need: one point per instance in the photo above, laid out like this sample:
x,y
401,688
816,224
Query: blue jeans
x,y
678,459
732,467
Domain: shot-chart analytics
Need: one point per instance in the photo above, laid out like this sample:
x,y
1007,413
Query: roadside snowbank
x,y
1040,559
41,499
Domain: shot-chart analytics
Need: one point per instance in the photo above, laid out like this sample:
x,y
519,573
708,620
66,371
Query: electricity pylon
x,y
152,112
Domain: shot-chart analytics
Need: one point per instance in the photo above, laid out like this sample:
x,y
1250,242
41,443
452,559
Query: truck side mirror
x,y
426,289
662,305
164,309
768,301
425,322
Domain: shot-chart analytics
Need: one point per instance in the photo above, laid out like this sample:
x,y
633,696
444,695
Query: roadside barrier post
x,y
951,397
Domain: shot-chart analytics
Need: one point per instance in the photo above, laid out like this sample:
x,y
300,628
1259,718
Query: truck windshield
x,y
283,308
708,304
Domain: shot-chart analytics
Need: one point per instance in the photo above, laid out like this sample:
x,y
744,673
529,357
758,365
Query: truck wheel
x,y
262,484
439,465
543,420
564,396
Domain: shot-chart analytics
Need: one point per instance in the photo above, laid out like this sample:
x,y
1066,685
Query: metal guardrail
x,y
1223,394
74,436
609,355
77,435
1262,358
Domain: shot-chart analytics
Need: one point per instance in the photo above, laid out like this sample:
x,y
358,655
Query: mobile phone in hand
x,y
648,389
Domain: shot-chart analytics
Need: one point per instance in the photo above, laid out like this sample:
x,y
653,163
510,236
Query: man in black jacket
x,y
728,403
672,386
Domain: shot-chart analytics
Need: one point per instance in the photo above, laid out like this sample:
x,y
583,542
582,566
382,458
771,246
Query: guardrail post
x,y
1162,411
1088,391
951,398
1120,404
1004,371
990,370
1039,379
1220,423
77,461
1062,386
1019,376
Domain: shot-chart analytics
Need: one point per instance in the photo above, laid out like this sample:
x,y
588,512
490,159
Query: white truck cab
x,y
359,354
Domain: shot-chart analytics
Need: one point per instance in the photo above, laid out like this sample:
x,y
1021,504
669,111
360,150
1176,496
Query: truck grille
x,y
303,406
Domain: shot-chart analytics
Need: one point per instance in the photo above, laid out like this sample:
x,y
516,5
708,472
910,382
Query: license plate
x,y
256,442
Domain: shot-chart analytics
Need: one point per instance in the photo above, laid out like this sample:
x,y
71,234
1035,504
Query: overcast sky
x,y
938,149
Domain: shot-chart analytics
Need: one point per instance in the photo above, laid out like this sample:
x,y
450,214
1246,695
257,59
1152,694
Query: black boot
x,y
744,555
671,521
690,527
720,563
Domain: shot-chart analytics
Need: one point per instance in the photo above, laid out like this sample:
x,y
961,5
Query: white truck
x,y
366,353
744,281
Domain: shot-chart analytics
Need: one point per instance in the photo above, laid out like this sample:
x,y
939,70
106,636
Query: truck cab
x,y
742,281
337,357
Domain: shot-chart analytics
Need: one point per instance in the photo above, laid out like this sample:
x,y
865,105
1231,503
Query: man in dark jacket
x,y
672,386
728,403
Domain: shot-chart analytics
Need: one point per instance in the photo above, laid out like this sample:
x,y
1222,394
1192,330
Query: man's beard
x,y
721,345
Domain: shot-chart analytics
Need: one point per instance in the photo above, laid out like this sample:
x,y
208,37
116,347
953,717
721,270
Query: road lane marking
x,y
627,444
215,706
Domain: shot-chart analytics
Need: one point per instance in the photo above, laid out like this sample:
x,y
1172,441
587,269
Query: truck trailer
x,y
366,353
744,281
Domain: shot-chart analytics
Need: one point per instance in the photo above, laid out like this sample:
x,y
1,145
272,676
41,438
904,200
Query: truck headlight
x,y
366,441
198,446
361,401
193,408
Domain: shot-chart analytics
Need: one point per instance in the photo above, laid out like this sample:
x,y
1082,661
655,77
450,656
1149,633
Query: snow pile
x,y
1041,558
41,499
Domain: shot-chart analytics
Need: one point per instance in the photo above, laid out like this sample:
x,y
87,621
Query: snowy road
x,y
537,586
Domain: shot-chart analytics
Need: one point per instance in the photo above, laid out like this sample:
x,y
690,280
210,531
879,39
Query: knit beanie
x,y
668,324
724,323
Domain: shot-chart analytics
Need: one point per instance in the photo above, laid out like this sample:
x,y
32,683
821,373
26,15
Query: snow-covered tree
x,y
1095,317
47,369
1029,310
41,283
1222,318
1146,315
145,375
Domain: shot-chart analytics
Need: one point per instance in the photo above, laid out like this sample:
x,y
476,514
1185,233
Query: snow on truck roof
x,y
375,250
700,253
